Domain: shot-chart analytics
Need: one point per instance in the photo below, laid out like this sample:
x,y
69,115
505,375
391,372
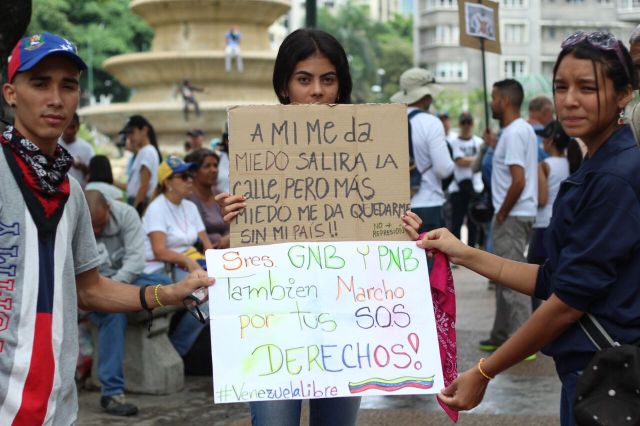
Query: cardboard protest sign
x,y
319,172
316,320
478,19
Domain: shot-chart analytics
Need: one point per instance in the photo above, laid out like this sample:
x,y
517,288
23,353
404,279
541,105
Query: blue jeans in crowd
x,y
322,412
111,332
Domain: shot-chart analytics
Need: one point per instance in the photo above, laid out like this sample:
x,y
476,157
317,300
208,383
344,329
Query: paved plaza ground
x,y
527,394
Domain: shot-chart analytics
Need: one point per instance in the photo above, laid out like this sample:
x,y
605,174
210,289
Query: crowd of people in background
x,y
501,187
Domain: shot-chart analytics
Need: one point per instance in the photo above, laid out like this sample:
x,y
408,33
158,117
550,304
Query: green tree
x,y
371,46
100,29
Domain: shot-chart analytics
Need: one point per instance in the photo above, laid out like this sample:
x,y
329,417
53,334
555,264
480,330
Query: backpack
x,y
415,175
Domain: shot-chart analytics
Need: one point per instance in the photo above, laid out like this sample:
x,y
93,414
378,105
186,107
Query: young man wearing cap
x,y
48,255
196,139
432,158
187,90
514,187
465,148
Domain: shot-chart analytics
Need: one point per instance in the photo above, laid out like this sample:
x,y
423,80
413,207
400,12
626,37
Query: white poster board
x,y
318,320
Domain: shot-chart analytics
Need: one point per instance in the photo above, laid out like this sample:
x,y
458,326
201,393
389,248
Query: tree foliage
x,y
100,29
371,47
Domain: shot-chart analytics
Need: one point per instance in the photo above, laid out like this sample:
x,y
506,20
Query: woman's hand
x,y
442,240
412,223
466,392
174,294
231,205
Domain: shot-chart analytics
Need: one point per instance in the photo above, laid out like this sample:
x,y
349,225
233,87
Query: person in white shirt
x,y
172,226
80,150
514,186
552,171
432,158
465,148
142,173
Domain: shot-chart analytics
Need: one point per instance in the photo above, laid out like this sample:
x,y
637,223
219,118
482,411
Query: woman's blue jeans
x,y
322,412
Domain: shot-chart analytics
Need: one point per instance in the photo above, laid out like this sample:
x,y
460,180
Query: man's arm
x,y
98,293
513,193
543,187
465,161
440,157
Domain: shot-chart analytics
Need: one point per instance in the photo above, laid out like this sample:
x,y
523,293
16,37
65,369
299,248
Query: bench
x,y
151,364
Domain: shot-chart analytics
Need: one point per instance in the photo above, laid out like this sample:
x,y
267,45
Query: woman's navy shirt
x,y
593,242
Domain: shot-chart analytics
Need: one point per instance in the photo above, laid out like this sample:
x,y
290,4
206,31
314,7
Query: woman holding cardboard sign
x,y
592,241
311,68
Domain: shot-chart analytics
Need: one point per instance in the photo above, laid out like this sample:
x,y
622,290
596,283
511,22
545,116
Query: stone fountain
x,y
189,44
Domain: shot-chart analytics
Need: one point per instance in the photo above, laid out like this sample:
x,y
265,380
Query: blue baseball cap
x,y
32,49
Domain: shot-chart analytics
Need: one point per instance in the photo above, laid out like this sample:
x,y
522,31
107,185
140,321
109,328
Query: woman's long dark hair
x,y
100,169
141,122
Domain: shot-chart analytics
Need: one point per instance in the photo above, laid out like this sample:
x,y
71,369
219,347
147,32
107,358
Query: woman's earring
x,y
621,118
13,105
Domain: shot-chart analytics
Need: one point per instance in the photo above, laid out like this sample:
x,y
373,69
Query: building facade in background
x,y
530,31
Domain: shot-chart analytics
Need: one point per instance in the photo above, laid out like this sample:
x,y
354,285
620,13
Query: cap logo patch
x,y
34,42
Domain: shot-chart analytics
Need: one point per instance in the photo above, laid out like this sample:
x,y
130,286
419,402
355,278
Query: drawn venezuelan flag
x,y
391,385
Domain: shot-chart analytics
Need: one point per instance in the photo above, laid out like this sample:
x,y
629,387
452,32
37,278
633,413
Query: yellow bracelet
x,y
155,295
485,375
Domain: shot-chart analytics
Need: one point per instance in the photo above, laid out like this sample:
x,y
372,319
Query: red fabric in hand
x,y
444,308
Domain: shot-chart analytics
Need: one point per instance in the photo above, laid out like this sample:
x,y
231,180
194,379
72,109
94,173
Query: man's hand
x,y
490,138
174,294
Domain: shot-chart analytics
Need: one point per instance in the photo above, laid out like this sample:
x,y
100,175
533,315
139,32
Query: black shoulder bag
x,y
608,392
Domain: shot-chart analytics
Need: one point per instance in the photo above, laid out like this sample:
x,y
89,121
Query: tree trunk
x,y
14,19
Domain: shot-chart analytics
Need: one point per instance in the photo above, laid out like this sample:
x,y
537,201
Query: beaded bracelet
x,y
155,295
485,375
